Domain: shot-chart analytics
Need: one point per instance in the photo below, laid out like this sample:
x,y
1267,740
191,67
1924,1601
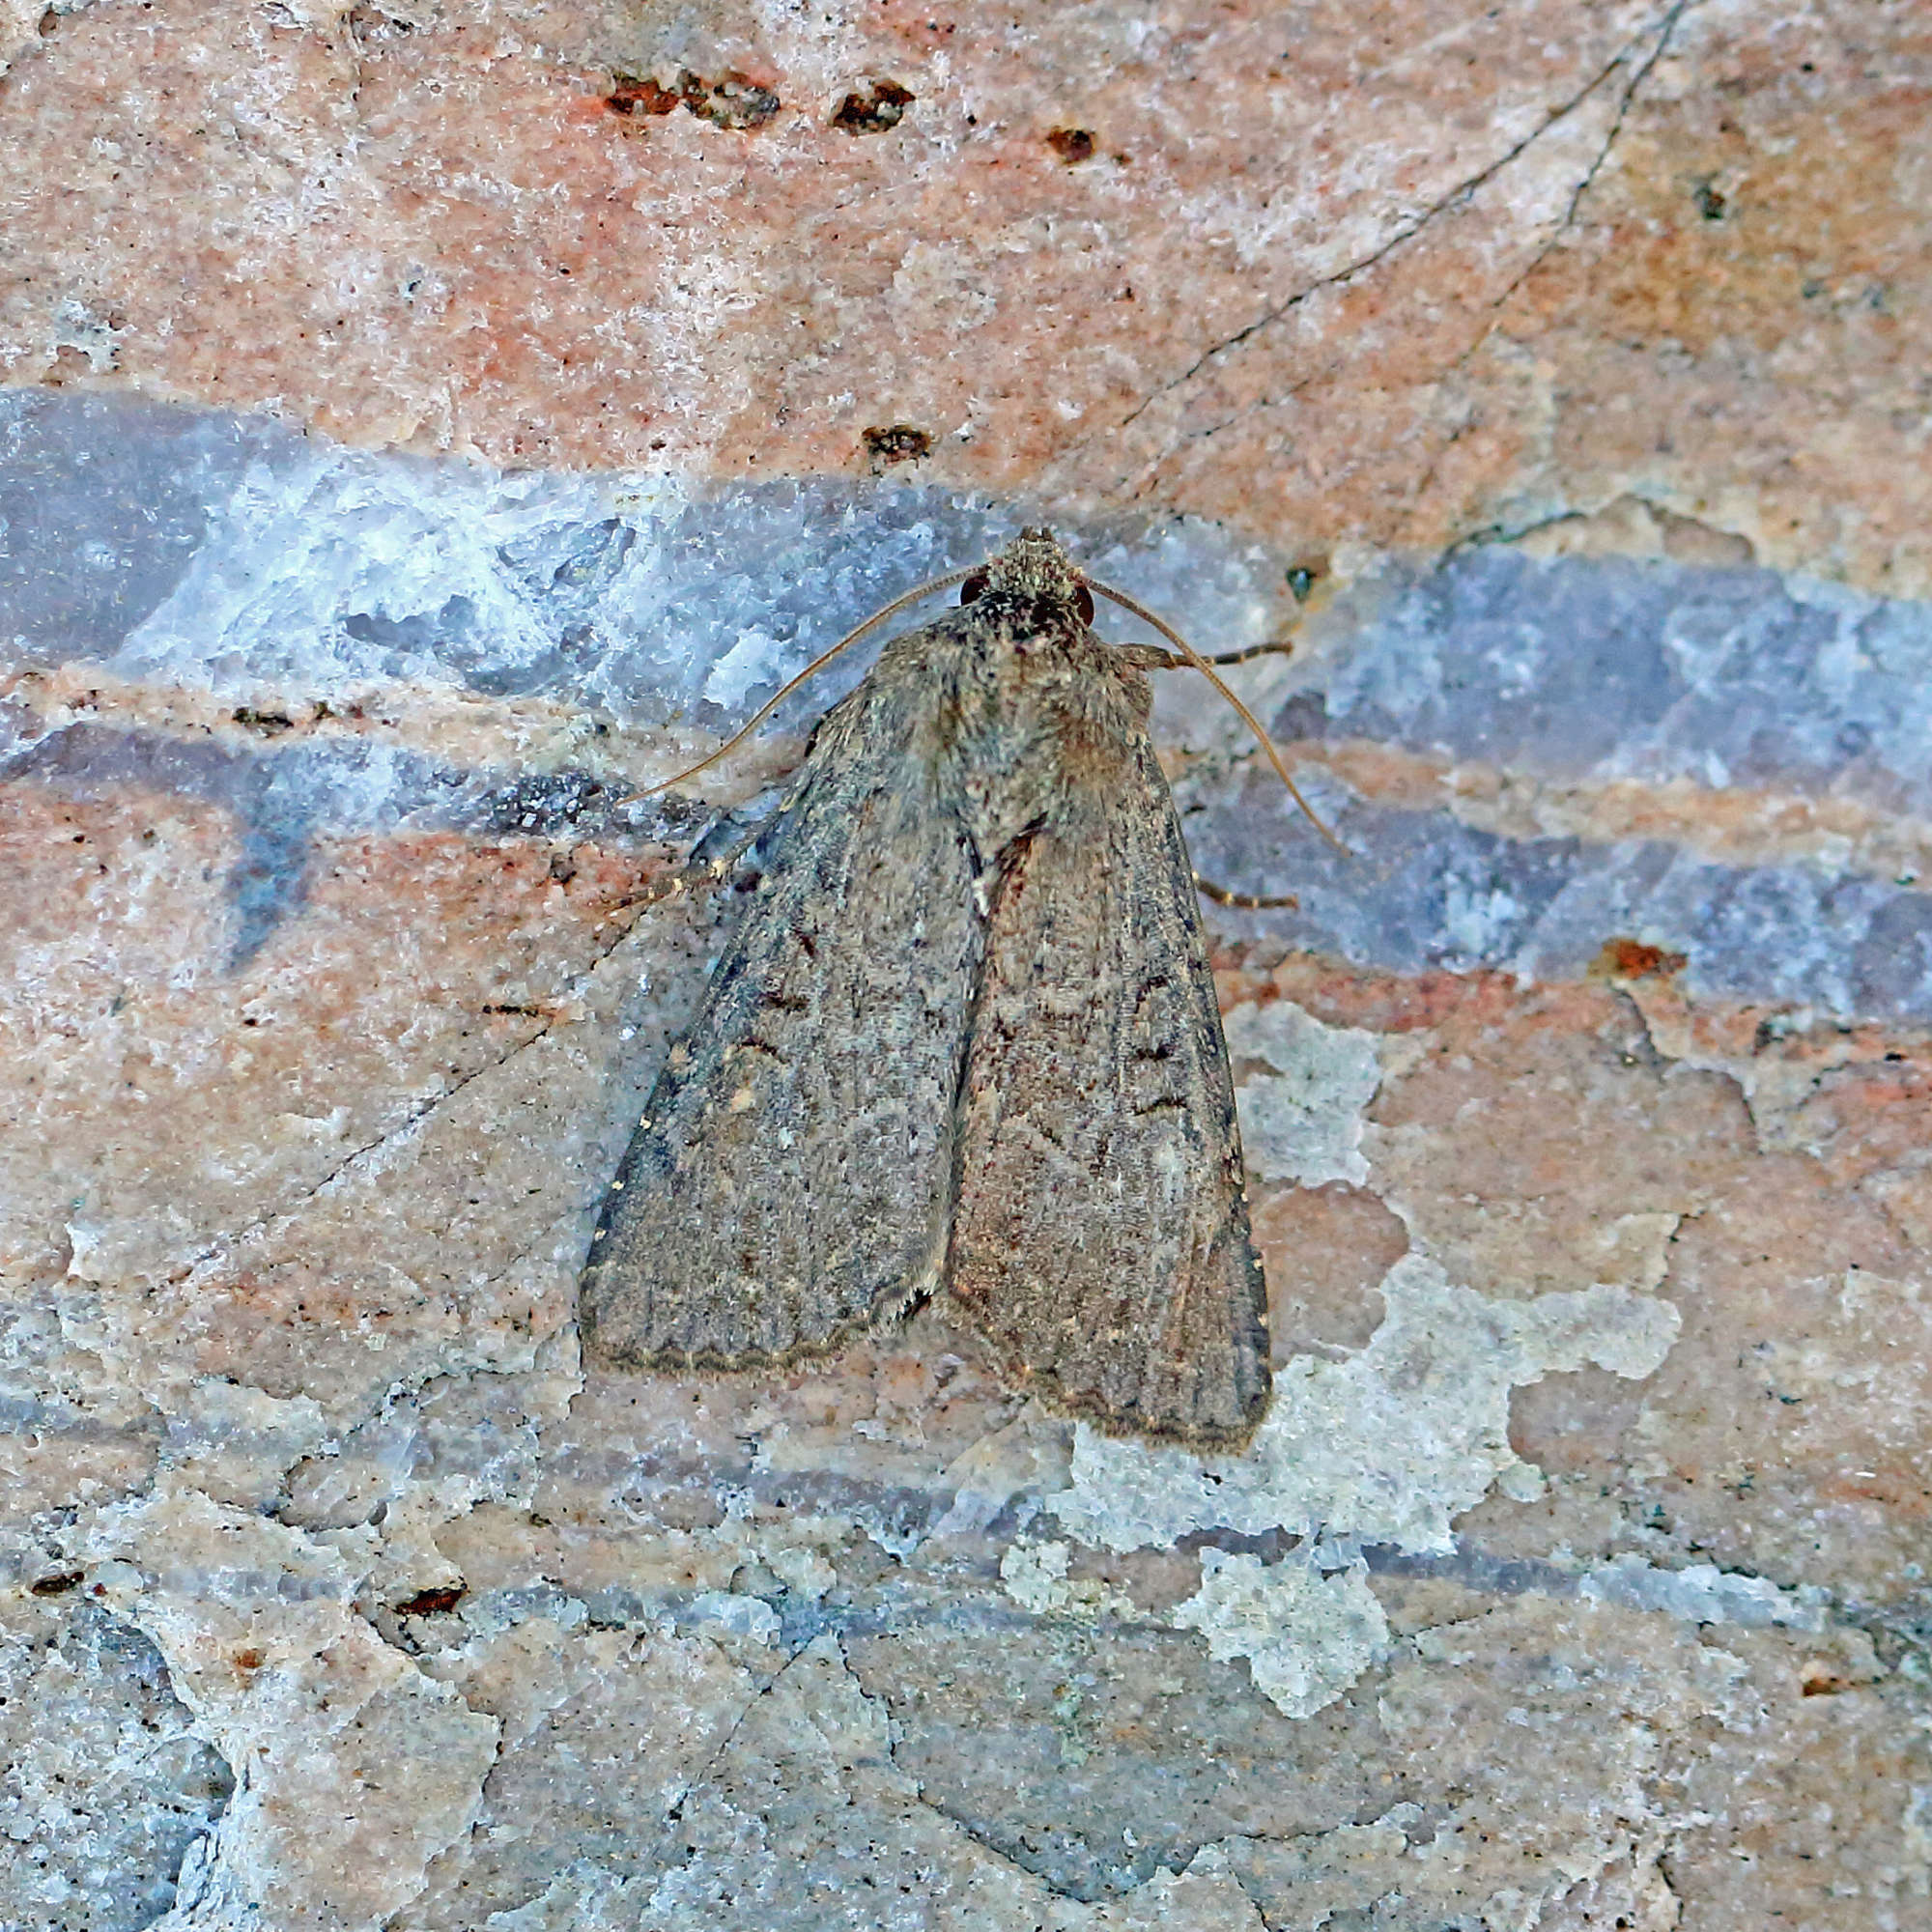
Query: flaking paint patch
x,y
1307,1636
1388,1445
1302,1122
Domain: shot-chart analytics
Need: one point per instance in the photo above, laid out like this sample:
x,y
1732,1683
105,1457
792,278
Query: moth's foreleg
x,y
1156,657
719,855
1245,901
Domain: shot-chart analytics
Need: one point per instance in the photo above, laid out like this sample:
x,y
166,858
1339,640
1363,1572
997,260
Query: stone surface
x,y
1578,1570
1388,280
1552,376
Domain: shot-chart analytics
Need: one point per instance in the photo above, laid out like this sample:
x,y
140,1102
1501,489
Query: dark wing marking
x,y
1101,1232
792,1180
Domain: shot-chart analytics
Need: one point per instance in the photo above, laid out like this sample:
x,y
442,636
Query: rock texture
x,y
431,424
1388,280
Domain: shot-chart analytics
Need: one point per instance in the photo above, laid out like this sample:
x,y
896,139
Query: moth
x,y
964,1041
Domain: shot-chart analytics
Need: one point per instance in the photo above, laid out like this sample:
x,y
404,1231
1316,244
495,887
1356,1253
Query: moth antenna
x,y
1220,684
811,670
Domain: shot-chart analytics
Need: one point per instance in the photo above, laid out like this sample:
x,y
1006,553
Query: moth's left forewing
x,y
1100,1229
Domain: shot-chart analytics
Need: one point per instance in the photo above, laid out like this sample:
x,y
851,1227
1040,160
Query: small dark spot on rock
x,y
640,94
375,23
1634,959
1302,579
874,112
731,101
431,1603
1711,203
269,724
896,442
56,1585
1073,145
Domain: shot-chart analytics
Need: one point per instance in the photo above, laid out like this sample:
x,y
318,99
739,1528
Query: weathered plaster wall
x,y
429,423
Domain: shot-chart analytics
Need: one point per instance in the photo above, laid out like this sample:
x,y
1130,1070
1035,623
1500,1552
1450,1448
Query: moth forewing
x,y
792,1181
1100,1234
966,1036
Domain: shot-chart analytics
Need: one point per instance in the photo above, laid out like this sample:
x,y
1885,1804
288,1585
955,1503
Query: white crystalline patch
x,y
1306,1636
1917,1832
1028,1453
84,1244
755,659
1481,922
1387,1446
1303,1122
235,1441
342,565
740,1614
1033,1575
1700,1593
258,1628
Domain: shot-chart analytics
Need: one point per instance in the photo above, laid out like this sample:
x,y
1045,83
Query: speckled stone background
x,y
426,423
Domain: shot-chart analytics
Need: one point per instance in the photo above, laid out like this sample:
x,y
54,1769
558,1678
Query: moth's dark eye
x,y
974,588
1083,602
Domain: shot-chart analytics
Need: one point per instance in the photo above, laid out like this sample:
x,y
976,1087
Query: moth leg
x,y
1246,901
718,855
722,845
1158,657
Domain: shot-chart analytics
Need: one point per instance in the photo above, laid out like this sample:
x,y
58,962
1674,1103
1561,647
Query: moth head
x,y
1032,569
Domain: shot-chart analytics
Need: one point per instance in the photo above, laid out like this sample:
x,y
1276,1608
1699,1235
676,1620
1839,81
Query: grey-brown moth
x,y
964,1041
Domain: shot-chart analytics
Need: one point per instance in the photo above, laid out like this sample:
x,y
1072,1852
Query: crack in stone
x,y
1562,227
410,1389
974,1835
705,1773
1459,193
1665,34
421,1110
1513,533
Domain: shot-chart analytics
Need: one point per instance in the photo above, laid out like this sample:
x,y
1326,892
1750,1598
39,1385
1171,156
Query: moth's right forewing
x,y
791,1179
1100,1232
